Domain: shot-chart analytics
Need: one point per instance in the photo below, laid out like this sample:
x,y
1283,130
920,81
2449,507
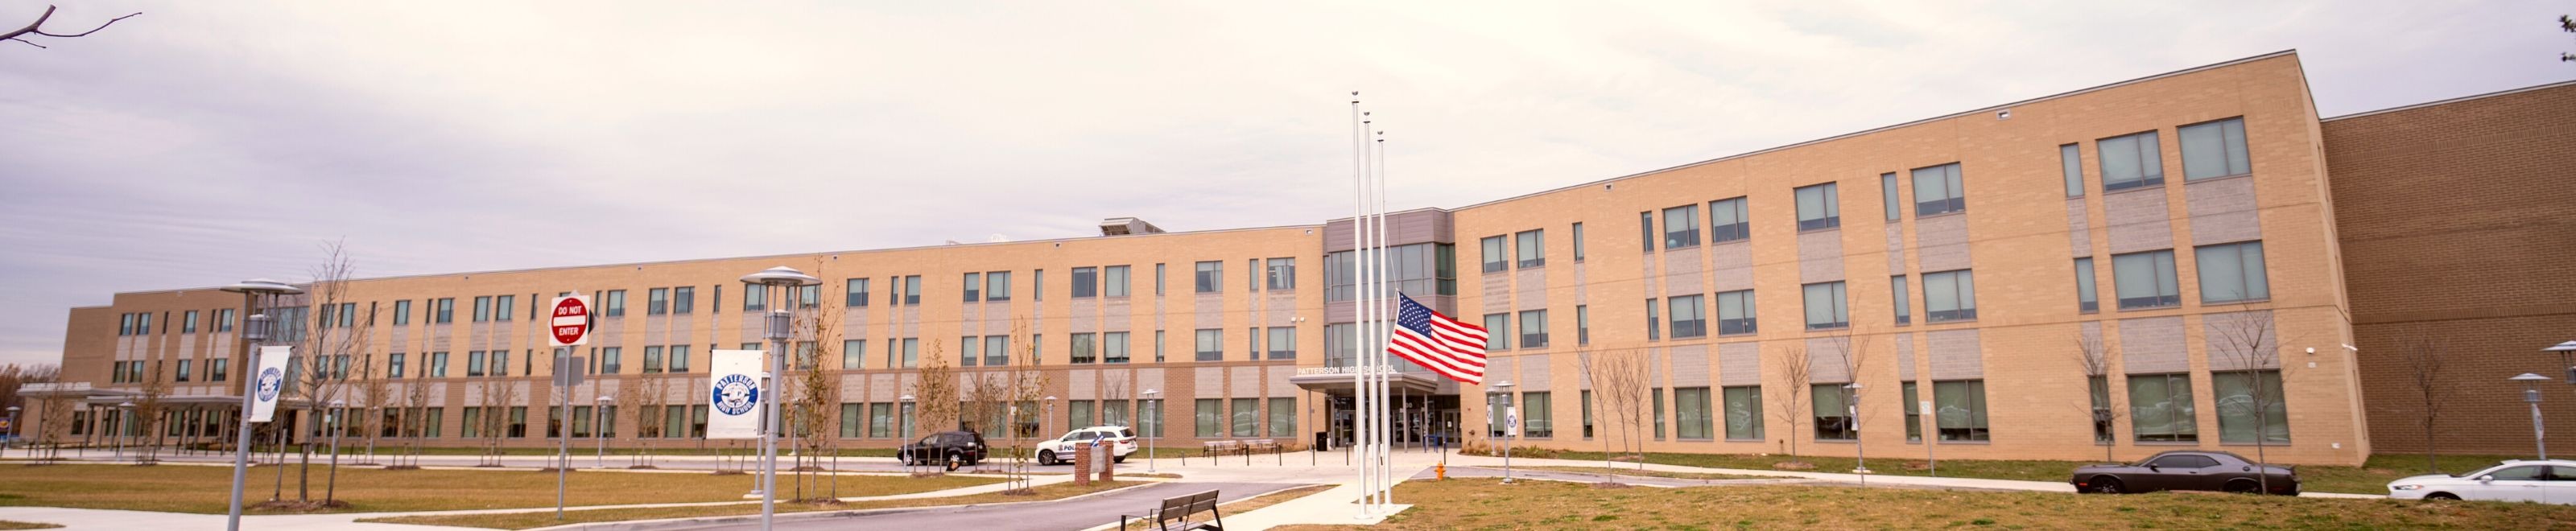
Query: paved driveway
x,y
1059,515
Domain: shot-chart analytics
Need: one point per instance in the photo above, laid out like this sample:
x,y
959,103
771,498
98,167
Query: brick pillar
x,y
1082,464
1108,462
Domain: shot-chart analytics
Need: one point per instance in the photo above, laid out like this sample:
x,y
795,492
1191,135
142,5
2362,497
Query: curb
x,y
807,515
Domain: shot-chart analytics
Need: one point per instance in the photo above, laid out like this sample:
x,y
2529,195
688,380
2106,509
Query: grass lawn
x,y
1651,473
547,518
1483,503
13,524
205,489
2370,478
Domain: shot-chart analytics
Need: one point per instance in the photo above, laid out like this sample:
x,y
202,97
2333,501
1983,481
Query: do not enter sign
x,y
571,322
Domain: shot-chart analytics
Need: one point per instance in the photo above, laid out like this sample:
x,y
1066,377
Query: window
x,y
974,285
124,324
482,310
2232,273
218,369
1495,257
1646,229
1913,414
1833,419
1735,313
2072,161
1084,348
1283,343
2130,161
189,326
1078,413
1283,273
911,290
880,419
1497,414
1681,227
1158,279
445,311
1826,307
910,355
997,286
2099,390
616,303
2248,399
1937,190
652,359
474,363
519,421
500,363
1729,220
1158,346
1534,329
1498,332
1820,208
1962,413
1691,405
657,301
1283,417
1528,248
1690,317
2160,408
1578,242
685,299
679,358
854,354
2214,149
1252,274
1587,413
611,359
2145,280
1206,412
2087,299
1037,285
1211,276
1113,281
437,365
1949,296
1537,415
997,350
184,372
1211,344
1247,417
1654,320
1113,347
1582,325
854,293
755,297
224,318
1086,282
1887,195
1904,304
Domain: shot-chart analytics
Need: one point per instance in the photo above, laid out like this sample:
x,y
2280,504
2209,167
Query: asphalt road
x,y
1044,516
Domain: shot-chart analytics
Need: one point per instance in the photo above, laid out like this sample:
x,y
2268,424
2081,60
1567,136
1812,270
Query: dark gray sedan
x,y
2185,470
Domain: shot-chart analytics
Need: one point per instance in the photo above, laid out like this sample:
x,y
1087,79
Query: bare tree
x,y
1791,364
496,398
935,392
2243,342
650,399
819,392
415,425
151,411
2095,360
336,337
1850,352
2422,357
53,430
1594,383
375,393
13,376
37,28
1623,386
1024,386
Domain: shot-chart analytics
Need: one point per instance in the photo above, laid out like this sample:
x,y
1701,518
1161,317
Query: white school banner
x,y
269,382
734,394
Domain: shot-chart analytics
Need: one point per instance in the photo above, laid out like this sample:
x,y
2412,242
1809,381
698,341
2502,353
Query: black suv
x,y
950,448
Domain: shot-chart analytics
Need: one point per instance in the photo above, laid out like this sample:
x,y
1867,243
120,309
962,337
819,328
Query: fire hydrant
x,y
1441,471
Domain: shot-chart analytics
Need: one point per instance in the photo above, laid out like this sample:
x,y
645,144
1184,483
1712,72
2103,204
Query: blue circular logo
x,y
270,381
735,394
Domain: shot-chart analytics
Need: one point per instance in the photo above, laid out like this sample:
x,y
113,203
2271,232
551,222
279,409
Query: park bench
x,y
1213,449
1175,512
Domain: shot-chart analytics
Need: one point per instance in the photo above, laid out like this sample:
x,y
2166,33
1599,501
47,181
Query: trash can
x,y
1322,443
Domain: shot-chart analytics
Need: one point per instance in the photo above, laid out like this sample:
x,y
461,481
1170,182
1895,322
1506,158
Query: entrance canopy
x,y
1338,380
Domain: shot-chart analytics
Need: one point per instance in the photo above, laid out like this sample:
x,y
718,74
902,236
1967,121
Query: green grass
x,y
2370,478
525,520
1485,504
1648,473
205,489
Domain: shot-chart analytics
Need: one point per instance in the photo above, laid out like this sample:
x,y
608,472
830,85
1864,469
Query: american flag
x,y
1451,348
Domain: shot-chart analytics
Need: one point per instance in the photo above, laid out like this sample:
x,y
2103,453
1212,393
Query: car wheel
x,y
2106,485
2242,486
2444,496
955,461
1119,459
1046,457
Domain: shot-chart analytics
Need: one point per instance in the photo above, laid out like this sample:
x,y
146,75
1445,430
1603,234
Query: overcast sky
x,y
207,142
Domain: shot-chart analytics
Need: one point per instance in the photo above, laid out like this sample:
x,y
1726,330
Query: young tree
x,y
2095,360
2422,356
935,394
53,430
1624,387
336,337
415,425
1594,383
151,411
818,392
497,399
375,394
649,398
1791,364
2243,343
1023,386
1849,352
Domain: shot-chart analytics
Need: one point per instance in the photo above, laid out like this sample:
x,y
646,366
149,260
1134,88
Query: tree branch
x,y
28,42
32,27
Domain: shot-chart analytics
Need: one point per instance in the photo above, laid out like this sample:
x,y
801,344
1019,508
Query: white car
x,y
2542,481
1122,441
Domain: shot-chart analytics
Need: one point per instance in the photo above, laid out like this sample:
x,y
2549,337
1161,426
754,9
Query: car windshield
x,y
1124,432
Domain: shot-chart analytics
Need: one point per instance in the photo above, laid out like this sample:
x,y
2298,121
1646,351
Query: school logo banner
x,y
269,382
734,394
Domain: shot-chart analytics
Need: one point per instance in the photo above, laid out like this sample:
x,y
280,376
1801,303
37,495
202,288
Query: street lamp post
x,y
785,280
903,408
124,421
1510,418
1151,397
1860,445
335,419
599,431
254,330
2531,395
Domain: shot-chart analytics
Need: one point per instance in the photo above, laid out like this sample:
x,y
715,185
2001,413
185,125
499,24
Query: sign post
x,y
569,326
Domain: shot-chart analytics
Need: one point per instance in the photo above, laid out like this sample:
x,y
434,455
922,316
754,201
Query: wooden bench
x,y
1175,512
1214,449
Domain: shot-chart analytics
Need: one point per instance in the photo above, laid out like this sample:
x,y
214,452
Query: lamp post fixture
x,y
2531,395
254,330
785,280
903,408
1510,418
124,421
1151,398
599,431
2566,358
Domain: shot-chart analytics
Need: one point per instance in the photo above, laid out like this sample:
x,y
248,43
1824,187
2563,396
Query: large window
x,y
1211,344
2130,161
1826,306
684,299
1690,316
1744,413
1283,417
1819,207
1833,420
1962,413
2247,399
997,350
2232,273
1086,282
1113,281
482,310
1913,413
911,290
611,360
2145,280
2160,408
1887,194
1282,273
854,354
1681,227
997,286
2098,389
1691,409
1498,331
1084,348
1417,269
1728,221
1495,257
1247,417
1210,276
2214,149
2071,159
1904,302
1534,329
1283,343
613,305
1113,347
1538,416
2087,299
1207,412
657,301
1529,249
1735,313
1937,190
679,358
1949,296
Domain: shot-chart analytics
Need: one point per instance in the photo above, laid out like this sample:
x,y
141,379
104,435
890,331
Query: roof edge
x,y
2409,107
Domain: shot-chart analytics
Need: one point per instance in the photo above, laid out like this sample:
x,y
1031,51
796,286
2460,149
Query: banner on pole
x,y
269,381
734,394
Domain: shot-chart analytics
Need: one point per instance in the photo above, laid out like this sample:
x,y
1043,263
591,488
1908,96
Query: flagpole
x,y
1359,214
1386,475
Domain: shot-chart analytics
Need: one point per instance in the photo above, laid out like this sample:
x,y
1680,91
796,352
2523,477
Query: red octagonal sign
x,y
571,321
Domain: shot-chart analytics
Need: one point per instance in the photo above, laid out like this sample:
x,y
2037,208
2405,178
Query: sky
x,y
202,143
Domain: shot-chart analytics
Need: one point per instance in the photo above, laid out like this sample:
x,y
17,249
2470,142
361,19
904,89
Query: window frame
x,y
1697,325
2159,277
1963,298
2231,145
1529,248
1953,196
1828,198
1686,237
2257,283
1839,305
1737,208
2147,155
